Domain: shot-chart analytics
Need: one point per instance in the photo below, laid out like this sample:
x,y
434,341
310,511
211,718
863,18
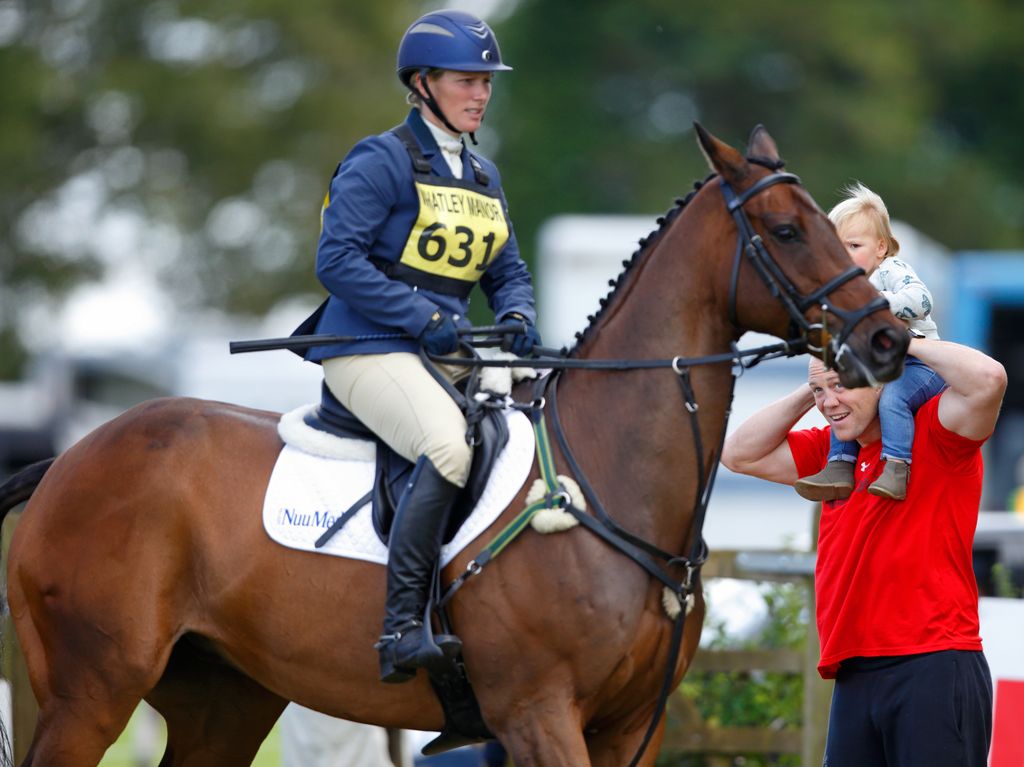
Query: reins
x,y
789,348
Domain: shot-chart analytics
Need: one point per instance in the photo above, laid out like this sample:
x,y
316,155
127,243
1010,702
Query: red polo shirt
x,y
895,577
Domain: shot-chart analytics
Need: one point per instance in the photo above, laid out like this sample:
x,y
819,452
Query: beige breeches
x,y
396,397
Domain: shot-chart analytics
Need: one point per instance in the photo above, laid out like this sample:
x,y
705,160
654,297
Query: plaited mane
x,y
646,245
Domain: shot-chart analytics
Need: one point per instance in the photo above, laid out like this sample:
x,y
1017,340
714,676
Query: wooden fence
x,y
689,733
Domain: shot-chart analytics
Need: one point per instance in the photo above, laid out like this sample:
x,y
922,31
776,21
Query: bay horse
x,y
140,569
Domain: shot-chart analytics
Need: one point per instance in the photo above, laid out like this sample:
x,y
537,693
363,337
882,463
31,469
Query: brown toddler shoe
x,y
833,483
892,484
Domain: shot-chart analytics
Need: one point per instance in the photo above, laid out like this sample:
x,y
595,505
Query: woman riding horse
x,y
412,221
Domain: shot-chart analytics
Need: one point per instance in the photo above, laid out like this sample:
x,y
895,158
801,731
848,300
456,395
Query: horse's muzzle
x,y
882,361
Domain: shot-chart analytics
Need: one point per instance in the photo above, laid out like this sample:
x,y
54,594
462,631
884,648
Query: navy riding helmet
x,y
448,40
452,40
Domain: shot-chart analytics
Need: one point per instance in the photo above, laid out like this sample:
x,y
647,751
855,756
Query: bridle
x,y
833,349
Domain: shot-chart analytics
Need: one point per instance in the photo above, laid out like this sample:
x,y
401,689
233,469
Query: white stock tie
x,y
452,153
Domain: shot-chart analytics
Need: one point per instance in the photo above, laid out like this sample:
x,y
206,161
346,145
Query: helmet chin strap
x,y
431,102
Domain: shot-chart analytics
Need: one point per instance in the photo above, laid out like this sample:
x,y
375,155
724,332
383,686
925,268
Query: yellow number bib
x,y
458,233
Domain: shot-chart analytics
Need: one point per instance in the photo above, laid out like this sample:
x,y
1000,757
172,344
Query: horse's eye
x,y
785,233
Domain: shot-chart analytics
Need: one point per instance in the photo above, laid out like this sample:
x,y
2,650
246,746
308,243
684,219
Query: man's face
x,y
852,413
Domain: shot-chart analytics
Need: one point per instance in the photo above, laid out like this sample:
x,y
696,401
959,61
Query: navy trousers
x,y
928,710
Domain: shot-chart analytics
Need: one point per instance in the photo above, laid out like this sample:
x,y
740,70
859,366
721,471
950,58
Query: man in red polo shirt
x,y
897,602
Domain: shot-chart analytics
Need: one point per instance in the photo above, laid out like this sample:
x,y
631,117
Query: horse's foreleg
x,y
544,734
616,747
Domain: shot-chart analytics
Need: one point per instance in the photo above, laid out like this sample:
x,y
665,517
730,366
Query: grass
x,y
134,738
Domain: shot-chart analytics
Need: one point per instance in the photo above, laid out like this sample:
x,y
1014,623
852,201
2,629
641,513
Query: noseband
x,y
781,286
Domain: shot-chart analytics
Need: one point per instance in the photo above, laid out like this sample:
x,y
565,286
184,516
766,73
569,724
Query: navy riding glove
x,y
521,343
440,335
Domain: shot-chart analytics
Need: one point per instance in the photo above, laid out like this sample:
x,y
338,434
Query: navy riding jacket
x,y
370,212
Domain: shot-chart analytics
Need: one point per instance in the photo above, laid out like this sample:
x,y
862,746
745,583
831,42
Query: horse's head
x,y
791,276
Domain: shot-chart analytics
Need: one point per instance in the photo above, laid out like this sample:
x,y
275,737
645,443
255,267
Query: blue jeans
x,y
900,400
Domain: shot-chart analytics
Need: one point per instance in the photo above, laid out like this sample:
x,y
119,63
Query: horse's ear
x,y
762,146
723,159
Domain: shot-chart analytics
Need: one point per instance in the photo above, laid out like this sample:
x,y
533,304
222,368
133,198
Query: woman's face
x,y
860,236
462,97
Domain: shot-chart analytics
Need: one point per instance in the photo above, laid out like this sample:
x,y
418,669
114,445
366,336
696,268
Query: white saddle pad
x,y
308,492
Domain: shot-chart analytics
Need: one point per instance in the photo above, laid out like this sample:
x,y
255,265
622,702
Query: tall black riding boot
x,y
413,549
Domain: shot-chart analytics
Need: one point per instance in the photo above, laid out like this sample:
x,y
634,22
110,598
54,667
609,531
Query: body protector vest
x,y
461,227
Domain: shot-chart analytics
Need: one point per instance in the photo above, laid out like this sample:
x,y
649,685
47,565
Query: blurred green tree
x,y
918,100
196,139
193,139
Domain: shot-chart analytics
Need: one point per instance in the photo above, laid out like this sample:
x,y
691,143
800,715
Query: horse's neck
x,y
633,427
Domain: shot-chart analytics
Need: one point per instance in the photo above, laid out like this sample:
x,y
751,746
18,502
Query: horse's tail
x,y
12,492
21,486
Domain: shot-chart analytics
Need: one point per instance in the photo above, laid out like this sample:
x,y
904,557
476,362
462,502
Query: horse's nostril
x,y
883,341
888,343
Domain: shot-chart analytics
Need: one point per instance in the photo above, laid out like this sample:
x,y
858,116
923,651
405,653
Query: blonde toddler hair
x,y
860,200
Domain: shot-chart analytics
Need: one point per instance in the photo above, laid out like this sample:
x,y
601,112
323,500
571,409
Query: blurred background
x,y
163,163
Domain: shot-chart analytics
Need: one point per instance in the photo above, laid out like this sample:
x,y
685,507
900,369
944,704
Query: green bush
x,y
751,698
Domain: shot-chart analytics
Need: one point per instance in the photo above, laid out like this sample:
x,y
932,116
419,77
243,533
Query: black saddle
x,y
392,473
